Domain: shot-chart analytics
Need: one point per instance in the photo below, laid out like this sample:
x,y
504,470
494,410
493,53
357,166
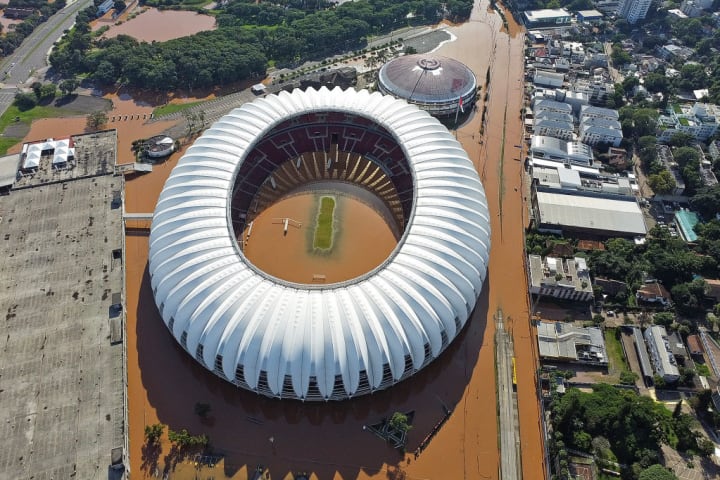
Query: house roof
x,y
654,290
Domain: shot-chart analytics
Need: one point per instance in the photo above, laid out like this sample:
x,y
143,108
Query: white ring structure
x,y
319,342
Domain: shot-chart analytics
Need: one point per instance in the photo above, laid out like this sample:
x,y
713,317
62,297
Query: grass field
x,y
171,108
26,117
323,238
616,357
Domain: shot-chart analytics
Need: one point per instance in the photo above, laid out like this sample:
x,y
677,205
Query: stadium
x,y
439,85
321,338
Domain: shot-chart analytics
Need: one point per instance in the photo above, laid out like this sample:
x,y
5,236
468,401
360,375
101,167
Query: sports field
x,y
324,224
330,238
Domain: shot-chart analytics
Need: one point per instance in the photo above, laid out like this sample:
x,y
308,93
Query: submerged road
x,y
31,56
510,467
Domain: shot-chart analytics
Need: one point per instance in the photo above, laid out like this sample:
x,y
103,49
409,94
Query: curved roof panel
x,y
314,342
427,79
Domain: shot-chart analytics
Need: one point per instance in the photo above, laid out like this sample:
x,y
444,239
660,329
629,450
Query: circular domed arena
x,y
304,340
433,83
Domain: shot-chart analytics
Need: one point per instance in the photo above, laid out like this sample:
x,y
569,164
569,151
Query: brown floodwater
x,y
361,240
328,440
160,25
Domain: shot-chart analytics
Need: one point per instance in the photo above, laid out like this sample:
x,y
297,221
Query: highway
x,y
510,467
30,59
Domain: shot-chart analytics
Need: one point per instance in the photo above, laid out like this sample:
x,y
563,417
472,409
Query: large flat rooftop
x,y
61,398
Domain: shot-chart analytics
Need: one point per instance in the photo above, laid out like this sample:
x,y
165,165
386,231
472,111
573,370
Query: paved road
x,y
30,59
510,468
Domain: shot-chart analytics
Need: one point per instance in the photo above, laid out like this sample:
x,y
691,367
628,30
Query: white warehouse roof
x,y
591,213
319,342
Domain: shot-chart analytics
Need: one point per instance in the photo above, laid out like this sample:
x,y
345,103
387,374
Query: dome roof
x,y
427,79
319,342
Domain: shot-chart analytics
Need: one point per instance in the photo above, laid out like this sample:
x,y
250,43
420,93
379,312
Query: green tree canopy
x,y
662,183
657,472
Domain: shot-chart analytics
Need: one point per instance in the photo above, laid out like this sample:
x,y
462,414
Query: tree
x,y
706,201
628,377
681,139
657,472
399,421
47,92
685,156
655,82
68,85
154,432
662,183
96,120
664,318
184,439
25,101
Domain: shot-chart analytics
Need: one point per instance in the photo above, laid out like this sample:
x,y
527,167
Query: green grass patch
x,y
676,108
12,113
7,142
171,108
616,357
684,121
323,238
702,369
28,116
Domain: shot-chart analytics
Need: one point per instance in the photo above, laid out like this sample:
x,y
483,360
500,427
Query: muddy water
x,y
362,241
155,25
164,383
497,155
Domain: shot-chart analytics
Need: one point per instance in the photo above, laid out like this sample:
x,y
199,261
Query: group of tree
x,y
181,438
40,94
249,35
621,428
668,259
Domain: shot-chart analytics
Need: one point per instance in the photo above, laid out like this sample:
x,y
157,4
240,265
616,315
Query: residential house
x,y
654,292
563,278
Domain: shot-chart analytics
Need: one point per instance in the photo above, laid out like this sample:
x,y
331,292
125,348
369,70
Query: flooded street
x,y
164,382
153,25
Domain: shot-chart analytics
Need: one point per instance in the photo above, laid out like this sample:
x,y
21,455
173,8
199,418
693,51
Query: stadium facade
x,y
307,341
434,83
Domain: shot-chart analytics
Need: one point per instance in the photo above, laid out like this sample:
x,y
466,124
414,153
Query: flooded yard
x,y
159,25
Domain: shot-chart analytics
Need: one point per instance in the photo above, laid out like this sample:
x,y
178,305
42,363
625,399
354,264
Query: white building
x,y
550,148
700,120
565,342
660,353
545,78
595,130
633,10
553,124
564,278
544,104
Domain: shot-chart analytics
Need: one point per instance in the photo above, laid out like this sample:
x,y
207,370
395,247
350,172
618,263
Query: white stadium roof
x,y
319,342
